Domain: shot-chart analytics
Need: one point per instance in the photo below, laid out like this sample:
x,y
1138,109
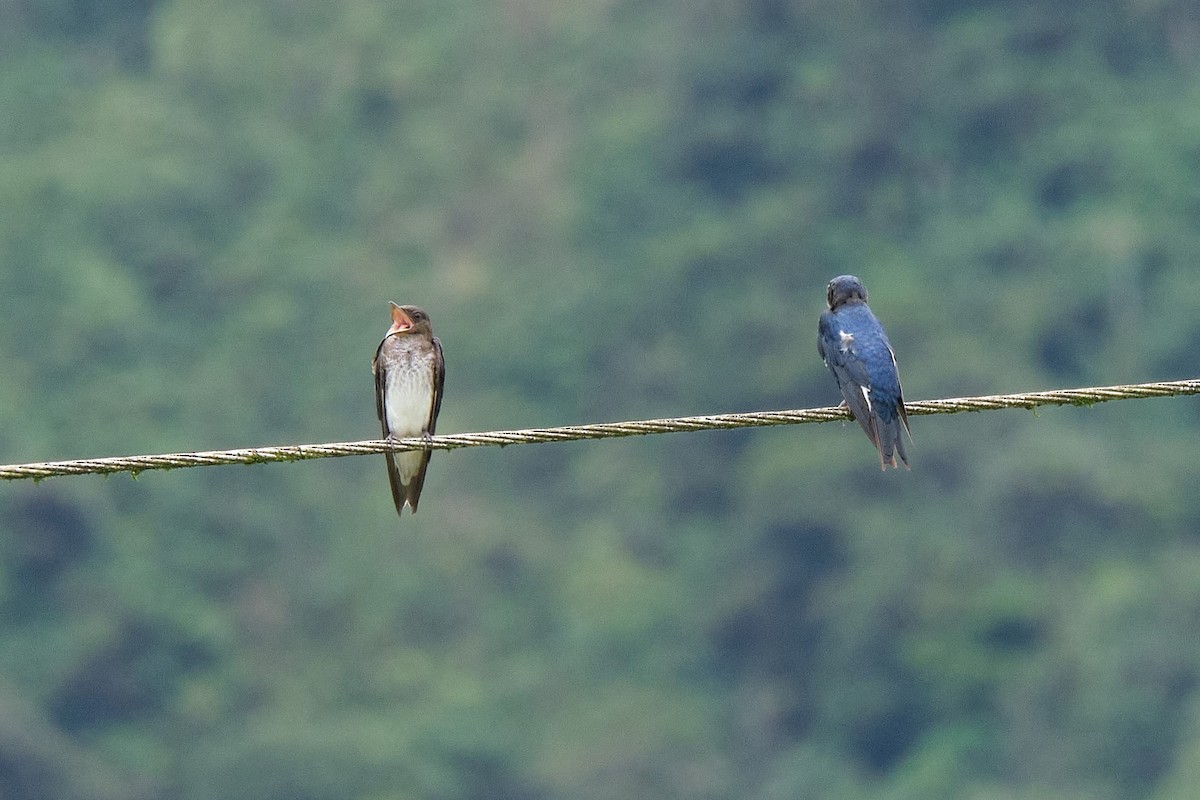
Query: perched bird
x,y
409,373
857,352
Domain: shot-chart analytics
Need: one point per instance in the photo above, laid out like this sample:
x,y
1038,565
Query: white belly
x,y
408,403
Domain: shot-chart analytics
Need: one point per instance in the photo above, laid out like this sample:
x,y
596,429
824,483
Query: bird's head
x,y
409,319
845,289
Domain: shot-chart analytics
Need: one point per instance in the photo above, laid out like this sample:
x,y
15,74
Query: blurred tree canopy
x,y
611,210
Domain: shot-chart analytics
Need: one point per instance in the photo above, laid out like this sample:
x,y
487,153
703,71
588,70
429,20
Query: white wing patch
x,y
846,340
866,393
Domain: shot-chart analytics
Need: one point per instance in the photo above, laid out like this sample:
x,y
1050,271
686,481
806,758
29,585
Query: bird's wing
x,y
858,398
399,492
838,347
841,354
849,359
439,380
902,413
397,485
379,371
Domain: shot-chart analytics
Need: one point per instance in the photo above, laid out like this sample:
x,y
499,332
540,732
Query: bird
x,y
856,349
409,375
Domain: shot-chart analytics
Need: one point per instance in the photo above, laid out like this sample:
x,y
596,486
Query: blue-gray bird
x,y
856,350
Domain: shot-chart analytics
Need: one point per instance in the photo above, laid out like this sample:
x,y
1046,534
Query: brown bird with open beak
x,y
409,373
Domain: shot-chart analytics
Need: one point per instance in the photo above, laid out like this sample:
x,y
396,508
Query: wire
x,y
602,430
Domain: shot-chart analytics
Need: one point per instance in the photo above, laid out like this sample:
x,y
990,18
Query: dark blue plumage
x,y
857,352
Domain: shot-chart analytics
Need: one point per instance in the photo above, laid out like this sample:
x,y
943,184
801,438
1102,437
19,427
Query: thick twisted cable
x,y
601,430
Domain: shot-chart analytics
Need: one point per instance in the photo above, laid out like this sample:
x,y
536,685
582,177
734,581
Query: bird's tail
x,y
891,439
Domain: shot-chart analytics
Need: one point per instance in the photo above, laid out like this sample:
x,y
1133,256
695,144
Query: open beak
x,y
401,322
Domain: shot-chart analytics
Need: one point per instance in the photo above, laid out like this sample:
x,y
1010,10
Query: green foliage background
x,y
612,210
